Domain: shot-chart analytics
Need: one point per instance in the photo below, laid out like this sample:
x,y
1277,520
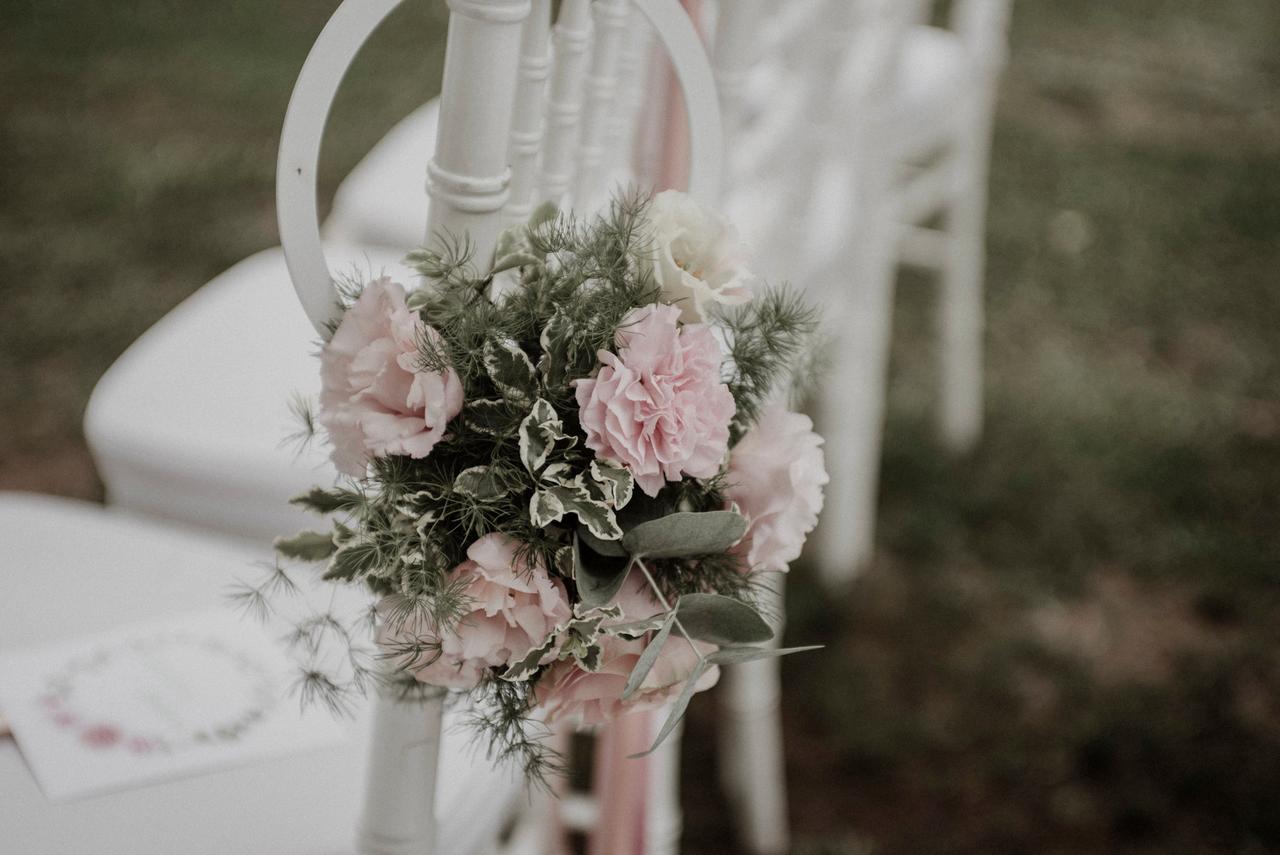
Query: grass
x,y
1068,640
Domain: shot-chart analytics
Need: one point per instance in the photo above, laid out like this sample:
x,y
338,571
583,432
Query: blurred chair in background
x,y
896,136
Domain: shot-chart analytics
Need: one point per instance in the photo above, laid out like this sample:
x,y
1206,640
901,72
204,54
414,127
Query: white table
x,y
72,568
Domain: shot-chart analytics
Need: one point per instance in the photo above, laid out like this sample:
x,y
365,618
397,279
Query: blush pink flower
x,y
374,399
658,406
776,475
512,609
566,691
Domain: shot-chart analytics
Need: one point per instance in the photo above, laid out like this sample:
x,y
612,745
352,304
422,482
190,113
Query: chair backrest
x,y
495,154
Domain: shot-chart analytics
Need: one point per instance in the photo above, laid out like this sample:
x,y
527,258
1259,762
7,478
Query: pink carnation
x,y
513,608
374,399
658,406
566,691
776,474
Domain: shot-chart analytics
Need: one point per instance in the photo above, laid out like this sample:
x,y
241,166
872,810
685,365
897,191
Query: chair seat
x,y
191,422
73,568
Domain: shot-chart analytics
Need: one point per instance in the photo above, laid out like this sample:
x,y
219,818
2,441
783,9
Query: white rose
x,y
696,256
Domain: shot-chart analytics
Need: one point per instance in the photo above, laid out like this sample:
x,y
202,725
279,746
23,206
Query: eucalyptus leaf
x,y
683,534
306,546
721,620
599,577
604,547
650,655
643,508
738,655
678,708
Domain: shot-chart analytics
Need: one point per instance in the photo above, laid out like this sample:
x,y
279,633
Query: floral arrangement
x,y
569,475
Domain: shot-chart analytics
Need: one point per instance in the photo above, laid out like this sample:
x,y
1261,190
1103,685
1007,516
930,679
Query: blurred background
x,y
1067,641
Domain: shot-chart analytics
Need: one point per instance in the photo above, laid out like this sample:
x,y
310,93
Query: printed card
x,y
154,701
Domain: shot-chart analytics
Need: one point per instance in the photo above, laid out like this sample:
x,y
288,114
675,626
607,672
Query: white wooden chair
x,y
74,568
884,123
376,205
233,353
915,120
806,164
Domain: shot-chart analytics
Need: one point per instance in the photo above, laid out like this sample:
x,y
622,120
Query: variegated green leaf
x,y
492,416
638,628
545,508
592,513
523,669
615,480
555,339
479,483
538,433
509,368
354,560
557,473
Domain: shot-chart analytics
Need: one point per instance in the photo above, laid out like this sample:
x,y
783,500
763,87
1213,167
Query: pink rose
x,y
775,476
512,609
374,398
566,691
658,406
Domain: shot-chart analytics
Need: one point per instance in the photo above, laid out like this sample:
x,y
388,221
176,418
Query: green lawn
x,y
1069,640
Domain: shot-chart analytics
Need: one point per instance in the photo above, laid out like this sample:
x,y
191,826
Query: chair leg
x,y
752,758
665,822
960,317
850,405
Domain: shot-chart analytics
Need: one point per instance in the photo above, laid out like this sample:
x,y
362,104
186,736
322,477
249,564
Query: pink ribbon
x,y
622,783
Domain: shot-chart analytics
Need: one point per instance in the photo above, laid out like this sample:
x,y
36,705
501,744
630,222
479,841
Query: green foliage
x,y
306,546
683,534
721,620
769,338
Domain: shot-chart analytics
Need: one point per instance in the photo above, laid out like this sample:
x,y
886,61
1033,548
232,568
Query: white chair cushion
x,y
936,76
73,568
191,422
384,199
920,111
